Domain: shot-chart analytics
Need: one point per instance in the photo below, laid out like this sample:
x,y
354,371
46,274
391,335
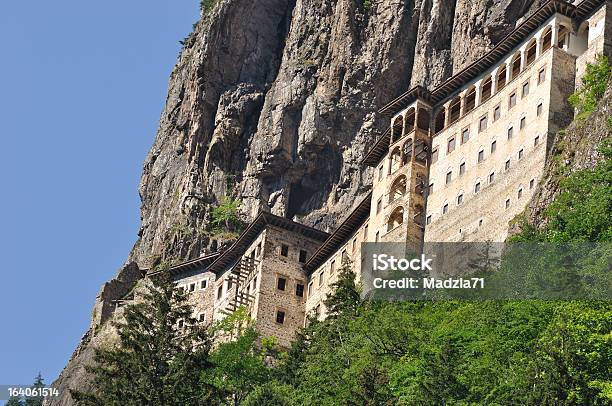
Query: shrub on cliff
x,y
594,84
225,216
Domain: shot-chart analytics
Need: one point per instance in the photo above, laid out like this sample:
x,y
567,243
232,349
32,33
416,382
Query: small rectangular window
x,y
519,193
510,132
354,244
204,284
280,316
459,199
539,110
378,205
380,172
507,203
531,183
344,257
541,76
512,100
536,141
477,187
321,278
493,146
520,154
465,135
365,232
220,292
332,266
507,166
192,287
299,290
202,317
496,113
303,256
491,177
377,236
428,220
434,156
445,209
482,125
310,289
449,177
284,250
281,283
461,168
523,123
451,145
525,89
480,156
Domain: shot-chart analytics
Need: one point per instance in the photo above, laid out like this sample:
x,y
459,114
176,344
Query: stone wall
x,y
484,215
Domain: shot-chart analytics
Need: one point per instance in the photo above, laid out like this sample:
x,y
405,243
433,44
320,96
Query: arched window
x,y
396,219
409,120
423,119
470,100
501,77
516,65
398,188
546,39
531,52
486,89
398,128
395,160
440,120
455,109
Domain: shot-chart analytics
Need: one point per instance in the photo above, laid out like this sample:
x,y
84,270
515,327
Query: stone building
x,y
457,163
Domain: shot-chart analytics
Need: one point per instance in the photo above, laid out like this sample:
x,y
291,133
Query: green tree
x,y
240,362
14,401
36,400
158,356
346,297
225,215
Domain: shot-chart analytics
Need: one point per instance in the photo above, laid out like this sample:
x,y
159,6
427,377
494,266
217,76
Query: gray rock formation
x,y
274,101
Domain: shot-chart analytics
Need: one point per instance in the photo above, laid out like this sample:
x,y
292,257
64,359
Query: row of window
x,y
483,122
459,199
193,286
481,157
302,254
281,284
200,318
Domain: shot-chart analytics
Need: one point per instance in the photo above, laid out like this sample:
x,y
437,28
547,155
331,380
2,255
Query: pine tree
x,y
36,400
14,401
158,357
346,298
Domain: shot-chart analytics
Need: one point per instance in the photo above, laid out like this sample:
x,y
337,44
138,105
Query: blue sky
x,y
82,85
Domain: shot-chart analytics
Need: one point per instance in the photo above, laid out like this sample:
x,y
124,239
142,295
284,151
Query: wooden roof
x,y
341,235
495,55
233,253
195,264
470,72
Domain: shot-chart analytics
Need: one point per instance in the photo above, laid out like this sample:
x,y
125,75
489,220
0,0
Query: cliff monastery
x,y
457,163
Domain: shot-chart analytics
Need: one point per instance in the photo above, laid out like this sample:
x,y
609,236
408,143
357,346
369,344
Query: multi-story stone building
x,y
457,163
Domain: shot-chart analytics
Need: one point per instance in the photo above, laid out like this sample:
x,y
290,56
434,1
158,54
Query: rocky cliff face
x,y
273,102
